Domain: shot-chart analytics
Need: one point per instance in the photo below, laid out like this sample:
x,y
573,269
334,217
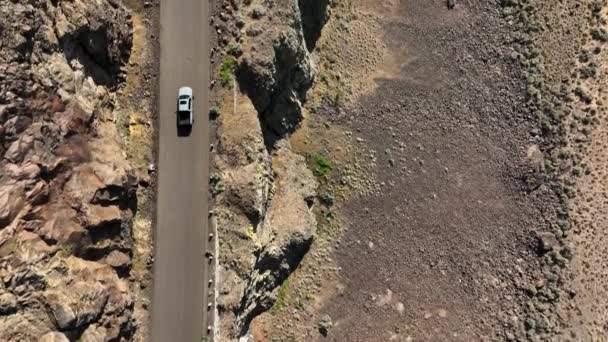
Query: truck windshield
x,y
183,97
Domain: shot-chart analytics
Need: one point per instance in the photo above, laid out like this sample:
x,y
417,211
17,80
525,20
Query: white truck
x,y
184,107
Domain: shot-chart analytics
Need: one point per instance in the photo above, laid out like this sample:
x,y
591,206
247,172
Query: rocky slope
x,y
474,147
486,220
67,190
264,192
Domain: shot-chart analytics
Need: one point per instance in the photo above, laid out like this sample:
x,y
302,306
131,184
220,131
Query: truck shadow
x,y
183,131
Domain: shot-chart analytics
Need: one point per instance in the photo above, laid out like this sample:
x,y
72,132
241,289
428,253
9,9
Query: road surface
x,y
180,271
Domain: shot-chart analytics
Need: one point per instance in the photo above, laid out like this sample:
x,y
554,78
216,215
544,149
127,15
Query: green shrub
x,y
227,69
249,232
327,199
279,304
234,49
322,165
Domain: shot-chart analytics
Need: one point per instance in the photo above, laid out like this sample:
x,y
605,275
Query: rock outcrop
x,y
285,235
264,204
67,194
315,14
275,70
258,256
46,294
245,171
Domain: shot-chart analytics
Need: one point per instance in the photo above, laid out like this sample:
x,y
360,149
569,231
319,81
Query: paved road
x,y
180,271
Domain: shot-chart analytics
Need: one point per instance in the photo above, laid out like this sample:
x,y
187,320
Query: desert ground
x,y
397,170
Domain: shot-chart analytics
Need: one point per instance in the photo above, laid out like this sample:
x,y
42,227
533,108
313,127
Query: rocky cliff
x,y
276,70
264,192
67,192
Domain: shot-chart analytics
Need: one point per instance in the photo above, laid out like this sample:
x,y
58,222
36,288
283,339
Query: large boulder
x,y
77,304
17,151
94,333
72,293
60,224
97,34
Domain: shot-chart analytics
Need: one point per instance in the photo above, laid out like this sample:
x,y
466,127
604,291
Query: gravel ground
x,y
480,128
440,253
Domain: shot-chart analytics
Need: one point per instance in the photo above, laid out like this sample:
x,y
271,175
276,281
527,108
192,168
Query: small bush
x,y
322,165
216,184
227,69
234,49
599,35
280,303
249,232
337,98
327,199
214,112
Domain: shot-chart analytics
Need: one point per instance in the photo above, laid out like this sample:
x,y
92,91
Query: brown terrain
x,y
77,97
398,170
458,152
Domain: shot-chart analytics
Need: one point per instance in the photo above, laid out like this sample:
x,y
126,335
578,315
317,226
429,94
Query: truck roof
x,y
185,91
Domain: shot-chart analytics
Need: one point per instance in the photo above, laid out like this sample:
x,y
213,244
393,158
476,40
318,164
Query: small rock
x,y
567,252
118,260
39,193
530,324
257,11
8,303
53,336
547,241
325,324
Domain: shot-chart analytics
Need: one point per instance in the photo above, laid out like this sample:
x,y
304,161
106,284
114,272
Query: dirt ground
x,y
466,197
443,245
438,253
136,117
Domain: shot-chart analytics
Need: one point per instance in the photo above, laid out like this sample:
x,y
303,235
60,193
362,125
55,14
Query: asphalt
x,y
181,273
